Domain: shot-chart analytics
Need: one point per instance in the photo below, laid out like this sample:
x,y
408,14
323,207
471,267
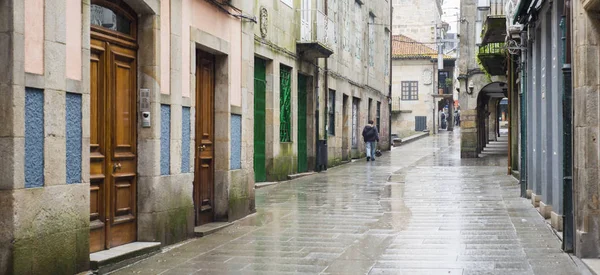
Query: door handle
x,y
116,166
203,147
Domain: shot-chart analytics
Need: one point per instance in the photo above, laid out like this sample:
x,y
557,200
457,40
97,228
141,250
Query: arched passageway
x,y
489,119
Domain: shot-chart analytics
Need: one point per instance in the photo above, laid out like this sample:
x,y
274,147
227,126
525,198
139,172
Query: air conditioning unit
x,y
483,4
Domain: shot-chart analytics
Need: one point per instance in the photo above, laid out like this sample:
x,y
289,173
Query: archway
x,y
488,117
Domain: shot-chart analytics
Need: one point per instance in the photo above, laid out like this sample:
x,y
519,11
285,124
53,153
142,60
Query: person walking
x,y
371,136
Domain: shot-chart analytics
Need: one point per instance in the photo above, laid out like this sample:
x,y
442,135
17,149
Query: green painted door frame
x,y
302,138
260,88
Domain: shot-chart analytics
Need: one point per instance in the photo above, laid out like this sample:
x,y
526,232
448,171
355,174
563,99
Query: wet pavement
x,y
417,210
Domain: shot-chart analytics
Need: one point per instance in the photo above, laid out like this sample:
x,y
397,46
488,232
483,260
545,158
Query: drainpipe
x,y
316,98
390,85
509,110
568,241
523,96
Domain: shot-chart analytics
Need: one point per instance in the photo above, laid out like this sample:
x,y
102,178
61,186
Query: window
x,y
358,22
331,111
106,18
369,109
378,116
371,40
285,104
386,44
444,82
410,90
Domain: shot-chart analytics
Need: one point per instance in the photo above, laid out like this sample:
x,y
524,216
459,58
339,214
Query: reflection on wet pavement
x,y
417,210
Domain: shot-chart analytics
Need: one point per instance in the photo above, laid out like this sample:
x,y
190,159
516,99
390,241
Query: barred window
x,y
285,105
410,90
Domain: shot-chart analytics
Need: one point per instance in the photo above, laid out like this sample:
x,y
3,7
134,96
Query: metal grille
x,y
420,123
285,104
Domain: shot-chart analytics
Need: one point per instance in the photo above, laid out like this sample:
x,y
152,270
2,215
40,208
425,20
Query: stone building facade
x,y
481,86
107,137
584,53
418,86
417,19
128,123
322,75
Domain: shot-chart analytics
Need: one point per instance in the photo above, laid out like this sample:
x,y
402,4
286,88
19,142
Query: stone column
x,y
585,147
468,142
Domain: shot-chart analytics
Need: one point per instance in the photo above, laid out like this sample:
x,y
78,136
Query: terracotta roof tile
x,y
404,47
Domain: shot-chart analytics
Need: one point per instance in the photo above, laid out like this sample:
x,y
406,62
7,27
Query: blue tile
x,y
73,134
34,138
185,140
165,139
236,142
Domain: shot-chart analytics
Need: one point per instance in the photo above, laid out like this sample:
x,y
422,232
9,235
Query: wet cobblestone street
x,y
419,209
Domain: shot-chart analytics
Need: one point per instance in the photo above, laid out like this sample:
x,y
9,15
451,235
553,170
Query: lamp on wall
x,y
471,88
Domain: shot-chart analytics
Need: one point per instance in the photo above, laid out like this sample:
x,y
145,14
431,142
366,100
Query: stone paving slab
x,y
417,210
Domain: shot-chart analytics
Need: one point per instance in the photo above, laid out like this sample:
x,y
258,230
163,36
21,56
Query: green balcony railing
x,y
492,49
492,58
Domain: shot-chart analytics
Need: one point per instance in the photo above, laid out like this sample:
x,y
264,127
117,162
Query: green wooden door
x,y
302,108
260,88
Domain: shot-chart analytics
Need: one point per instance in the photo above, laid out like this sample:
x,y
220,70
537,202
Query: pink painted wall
x,y
34,36
165,46
214,21
73,22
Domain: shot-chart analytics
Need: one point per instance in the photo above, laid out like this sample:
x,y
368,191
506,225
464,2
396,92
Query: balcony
x,y
492,58
317,37
494,27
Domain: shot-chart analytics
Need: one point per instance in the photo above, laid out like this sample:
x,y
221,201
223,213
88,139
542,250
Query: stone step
x,y
105,261
259,185
297,176
209,228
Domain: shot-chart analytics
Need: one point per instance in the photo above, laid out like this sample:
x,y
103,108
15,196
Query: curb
x,y
412,139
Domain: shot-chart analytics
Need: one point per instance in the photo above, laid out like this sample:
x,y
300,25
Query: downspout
x,y
523,96
326,114
568,241
509,109
316,99
390,85
435,103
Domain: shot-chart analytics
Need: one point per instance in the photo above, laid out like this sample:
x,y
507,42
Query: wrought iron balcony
x,y
492,58
494,27
317,35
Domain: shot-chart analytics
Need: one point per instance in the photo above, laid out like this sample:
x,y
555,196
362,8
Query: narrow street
x,y
417,210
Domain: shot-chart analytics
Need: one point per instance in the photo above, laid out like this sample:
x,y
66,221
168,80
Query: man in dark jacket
x,y
371,135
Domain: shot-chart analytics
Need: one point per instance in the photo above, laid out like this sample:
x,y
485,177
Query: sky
x,y
450,14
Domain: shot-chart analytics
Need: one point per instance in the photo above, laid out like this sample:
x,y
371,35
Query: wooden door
x,y
204,162
302,109
113,156
260,104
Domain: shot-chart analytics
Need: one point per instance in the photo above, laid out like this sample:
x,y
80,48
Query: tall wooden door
x,y
113,156
260,105
302,108
204,162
